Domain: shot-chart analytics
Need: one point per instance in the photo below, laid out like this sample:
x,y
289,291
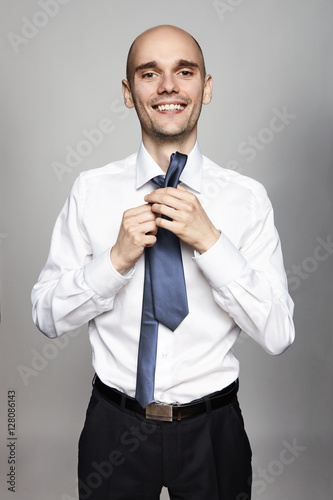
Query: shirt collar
x,y
148,168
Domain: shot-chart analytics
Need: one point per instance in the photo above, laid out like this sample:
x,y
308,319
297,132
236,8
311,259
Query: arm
x,y
249,283
75,286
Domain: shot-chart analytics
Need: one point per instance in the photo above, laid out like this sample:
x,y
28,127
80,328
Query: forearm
x,y
260,311
257,299
63,301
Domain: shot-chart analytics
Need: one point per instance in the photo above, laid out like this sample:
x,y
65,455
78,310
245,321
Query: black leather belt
x,y
170,412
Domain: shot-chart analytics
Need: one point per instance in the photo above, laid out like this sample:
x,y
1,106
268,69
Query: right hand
x,y
138,230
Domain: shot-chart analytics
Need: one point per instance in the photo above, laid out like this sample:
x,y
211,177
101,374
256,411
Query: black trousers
x,y
124,456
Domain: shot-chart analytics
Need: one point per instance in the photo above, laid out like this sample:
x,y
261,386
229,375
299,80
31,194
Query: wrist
x,y
118,262
209,241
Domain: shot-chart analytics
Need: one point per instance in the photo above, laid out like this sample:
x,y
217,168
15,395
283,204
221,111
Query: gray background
x,y
64,77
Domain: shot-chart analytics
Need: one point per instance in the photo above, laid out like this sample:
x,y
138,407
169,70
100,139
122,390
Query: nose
x,y
168,84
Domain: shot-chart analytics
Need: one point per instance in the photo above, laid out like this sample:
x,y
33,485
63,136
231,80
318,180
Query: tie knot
x,y
171,178
158,181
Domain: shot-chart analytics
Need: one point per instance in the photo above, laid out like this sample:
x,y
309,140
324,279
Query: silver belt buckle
x,y
161,412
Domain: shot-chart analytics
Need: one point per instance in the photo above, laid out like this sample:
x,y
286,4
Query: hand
x,y
189,220
137,231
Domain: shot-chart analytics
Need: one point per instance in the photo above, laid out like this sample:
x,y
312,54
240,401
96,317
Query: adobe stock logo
x,y
277,124
41,359
223,8
92,139
309,265
31,28
266,476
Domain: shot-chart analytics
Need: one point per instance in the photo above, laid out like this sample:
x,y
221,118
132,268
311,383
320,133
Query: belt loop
x,y
179,412
208,405
123,401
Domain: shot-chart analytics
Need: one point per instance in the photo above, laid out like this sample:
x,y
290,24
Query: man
x,y
188,435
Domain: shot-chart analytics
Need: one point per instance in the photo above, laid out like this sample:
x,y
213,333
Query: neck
x,y
161,151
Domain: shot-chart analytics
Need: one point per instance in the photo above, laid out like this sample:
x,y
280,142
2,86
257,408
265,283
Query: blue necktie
x,y
164,294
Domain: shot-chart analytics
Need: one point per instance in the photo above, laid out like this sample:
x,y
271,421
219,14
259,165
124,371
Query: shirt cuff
x,y
222,263
103,278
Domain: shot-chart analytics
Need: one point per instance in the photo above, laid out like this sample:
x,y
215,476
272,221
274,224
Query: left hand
x,y
189,220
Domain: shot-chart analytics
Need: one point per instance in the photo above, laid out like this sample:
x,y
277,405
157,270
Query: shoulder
x,y
115,168
103,182
103,178
231,179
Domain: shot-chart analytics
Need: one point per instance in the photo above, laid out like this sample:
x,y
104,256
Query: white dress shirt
x,y
238,284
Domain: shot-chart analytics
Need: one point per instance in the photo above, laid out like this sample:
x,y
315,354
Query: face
x,y
168,86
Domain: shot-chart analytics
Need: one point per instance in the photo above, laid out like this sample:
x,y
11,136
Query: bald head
x,y
154,36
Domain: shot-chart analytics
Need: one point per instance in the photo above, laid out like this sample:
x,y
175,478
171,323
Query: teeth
x,y
170,107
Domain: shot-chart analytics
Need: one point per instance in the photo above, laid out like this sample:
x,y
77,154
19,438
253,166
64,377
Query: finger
x,y
148,227
149,240
133,212
159,195
145,217
170,225
170,212
153,231
168,201
156,195
139,217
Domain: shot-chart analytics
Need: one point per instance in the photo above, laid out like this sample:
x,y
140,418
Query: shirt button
x,y
164,355
162,396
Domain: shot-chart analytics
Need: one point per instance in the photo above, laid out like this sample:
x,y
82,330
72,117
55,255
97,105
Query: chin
x,y
176,133
170,138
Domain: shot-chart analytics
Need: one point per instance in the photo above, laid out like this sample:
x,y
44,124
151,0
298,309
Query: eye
x,y
186,72
148,75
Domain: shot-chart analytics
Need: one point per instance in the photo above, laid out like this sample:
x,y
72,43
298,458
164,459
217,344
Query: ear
x,y
127,93
208,90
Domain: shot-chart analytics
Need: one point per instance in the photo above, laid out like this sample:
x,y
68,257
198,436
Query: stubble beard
x,y
159,133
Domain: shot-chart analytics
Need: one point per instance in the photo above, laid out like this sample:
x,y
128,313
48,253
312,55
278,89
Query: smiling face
x,y
167,84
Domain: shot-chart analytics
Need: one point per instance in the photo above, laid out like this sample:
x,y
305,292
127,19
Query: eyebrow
x,y
188,64
148,65
181,63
